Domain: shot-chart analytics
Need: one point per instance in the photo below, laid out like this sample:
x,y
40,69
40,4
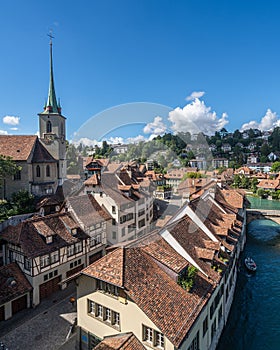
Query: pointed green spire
x,y
51,105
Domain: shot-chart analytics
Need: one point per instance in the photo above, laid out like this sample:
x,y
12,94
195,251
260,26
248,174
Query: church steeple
x,y
52,126
51,105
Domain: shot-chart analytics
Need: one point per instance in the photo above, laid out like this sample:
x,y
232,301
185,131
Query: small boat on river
x,y
250,264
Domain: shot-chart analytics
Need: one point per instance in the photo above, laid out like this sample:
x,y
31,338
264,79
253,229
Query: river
x,y
254,320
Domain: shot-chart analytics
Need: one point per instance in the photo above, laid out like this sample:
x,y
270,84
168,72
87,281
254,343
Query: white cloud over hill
x,y
196,117
268,122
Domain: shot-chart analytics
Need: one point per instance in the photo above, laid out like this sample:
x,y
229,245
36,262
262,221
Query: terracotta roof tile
x,y
154,245
93,180
204,253
31,233
87,210
19,147
170,307
127,341
109,268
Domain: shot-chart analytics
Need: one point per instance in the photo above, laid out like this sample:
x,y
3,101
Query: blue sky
x,y
110,53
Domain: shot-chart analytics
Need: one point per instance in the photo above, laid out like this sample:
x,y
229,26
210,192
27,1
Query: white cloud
x,y
86,142
3,132
136,139
13,128
268,122
195,117
194,95
157,127
115,140
11,120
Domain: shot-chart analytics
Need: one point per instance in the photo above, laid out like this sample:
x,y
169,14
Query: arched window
x,y
48,171
49,126
38,171
62,129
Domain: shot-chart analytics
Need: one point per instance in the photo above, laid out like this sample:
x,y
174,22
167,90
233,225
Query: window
x,y
220,313
141,212
54,257
38,171
79,247
17,175
114,235
49,126
27,264
131,228
48,171
213,328
195,343
123,219
159,340
212,309
108,315
103,314
153,337
74,249
114,222
107,287
205,325
148,334
116,319
141,223
129,216
113,209
44,260
70,250
99,311
91,307
123,231
98,239
92,241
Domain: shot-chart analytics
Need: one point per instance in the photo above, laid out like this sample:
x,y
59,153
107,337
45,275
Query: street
x,y
44,327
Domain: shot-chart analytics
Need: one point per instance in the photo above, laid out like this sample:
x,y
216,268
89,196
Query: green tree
x,y
245,182
261,192
275,168
7,167
236,181
254,184
23,202
265,150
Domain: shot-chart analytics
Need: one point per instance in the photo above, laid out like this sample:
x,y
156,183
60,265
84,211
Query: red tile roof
x,y
13,283
93,180
19,147
169,306
30,234
127,341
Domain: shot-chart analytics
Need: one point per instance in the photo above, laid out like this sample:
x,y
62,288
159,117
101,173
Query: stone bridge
x,y
258,214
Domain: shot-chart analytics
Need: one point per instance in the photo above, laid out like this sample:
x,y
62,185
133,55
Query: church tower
x,y
52,126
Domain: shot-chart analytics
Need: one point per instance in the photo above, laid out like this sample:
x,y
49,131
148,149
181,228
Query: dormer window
x,y
49,239
107,287
74,231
